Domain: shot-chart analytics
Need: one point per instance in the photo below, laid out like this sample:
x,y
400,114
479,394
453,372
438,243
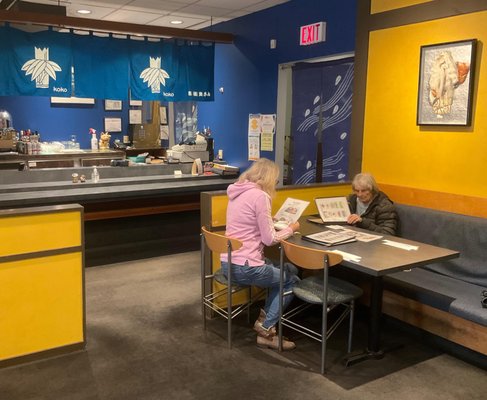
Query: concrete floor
x,y
145,341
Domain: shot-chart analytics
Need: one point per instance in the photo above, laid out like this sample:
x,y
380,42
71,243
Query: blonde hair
x,y
264,173
365,181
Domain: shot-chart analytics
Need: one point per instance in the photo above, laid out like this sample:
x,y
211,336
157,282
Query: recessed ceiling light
x,y
83,11
176,22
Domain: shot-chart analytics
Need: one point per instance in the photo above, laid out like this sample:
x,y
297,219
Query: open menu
x,y
333,209
331,238
289,212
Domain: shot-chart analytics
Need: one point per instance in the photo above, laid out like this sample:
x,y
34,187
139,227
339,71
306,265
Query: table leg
x,y
373,350
375,314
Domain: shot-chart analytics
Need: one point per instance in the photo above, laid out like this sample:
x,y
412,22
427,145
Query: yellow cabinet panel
x,y
40,232
41,304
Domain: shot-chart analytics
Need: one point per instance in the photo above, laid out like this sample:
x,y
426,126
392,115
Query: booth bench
x,y
443,298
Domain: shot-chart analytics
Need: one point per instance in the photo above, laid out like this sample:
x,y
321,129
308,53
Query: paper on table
x,y
360,236
403,246
348,256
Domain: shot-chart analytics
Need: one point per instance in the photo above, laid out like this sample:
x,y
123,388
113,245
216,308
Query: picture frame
x,y
112,125
113,105
446,83
135,103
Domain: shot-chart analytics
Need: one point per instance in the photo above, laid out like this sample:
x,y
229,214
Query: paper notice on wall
x,y
254,147
268,123
254,124
266,141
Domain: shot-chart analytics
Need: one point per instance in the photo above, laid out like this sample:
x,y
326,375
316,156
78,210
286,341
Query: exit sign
x,y
314,33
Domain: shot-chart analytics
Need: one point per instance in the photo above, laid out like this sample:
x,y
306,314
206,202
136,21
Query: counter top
x,y
48,193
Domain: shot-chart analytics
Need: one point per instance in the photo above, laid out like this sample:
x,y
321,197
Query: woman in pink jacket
x,y
249,220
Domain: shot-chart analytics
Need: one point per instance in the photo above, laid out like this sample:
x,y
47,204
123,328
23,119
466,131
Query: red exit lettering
x,y
313,33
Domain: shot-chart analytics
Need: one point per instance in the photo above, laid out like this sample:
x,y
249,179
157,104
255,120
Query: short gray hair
x,y
365,181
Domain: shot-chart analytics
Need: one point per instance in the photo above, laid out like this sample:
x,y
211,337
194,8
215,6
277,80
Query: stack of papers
x,y
331,238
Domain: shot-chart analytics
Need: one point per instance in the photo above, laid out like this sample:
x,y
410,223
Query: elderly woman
x,y
371,209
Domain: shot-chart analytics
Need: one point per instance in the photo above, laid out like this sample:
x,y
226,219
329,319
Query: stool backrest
x,y
309,258
218,243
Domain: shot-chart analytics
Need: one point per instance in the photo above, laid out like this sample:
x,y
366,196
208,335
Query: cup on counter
x,y
75,178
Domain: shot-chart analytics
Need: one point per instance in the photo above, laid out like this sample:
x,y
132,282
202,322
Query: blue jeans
x,y
266,276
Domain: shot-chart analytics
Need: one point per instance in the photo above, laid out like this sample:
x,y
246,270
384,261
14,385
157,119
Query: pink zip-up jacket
x,y
249,220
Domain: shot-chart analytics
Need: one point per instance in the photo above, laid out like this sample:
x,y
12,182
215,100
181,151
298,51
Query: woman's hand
x,y
294,226
354,219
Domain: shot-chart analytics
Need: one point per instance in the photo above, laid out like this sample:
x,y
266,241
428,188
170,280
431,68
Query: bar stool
x,y
313,290
212,298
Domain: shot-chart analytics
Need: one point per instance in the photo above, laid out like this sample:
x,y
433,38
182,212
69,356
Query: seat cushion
x,y
339,291
440,291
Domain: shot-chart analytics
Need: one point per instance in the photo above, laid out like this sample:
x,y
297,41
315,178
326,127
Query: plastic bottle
x,y
95,176
94,142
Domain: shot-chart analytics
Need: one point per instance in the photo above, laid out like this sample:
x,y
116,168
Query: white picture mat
x,y
113,105
135,116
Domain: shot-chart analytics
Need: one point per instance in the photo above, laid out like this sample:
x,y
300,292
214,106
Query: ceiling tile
x,y
166,21
265,4
131,17
154,5
208,11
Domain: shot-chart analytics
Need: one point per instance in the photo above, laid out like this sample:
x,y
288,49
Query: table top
x,y
377,258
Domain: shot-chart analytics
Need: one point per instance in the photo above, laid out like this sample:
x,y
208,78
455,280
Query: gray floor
x,y
145,342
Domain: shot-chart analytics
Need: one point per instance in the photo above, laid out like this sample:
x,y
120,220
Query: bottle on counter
x,y
94,142
95,175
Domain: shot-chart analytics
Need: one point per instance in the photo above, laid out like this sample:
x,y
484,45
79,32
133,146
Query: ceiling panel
x,y
195,14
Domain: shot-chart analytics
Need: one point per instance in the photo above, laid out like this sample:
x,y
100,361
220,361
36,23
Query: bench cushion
x,y
440,291
466,234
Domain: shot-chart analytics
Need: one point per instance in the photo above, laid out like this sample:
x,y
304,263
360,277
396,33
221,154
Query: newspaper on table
x,y
331,237
289,212
360,236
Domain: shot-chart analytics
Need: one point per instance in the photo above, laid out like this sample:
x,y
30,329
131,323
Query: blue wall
x,y
248,69
57,122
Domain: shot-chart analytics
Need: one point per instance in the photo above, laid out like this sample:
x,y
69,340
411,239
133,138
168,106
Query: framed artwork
x,y
135,103
113,105
113,124
446,78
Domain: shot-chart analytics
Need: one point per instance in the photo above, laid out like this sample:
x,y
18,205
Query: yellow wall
x,y
218,206
396,150
377,6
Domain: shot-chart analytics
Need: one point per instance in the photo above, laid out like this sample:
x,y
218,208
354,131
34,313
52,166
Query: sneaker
x,y
272,342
